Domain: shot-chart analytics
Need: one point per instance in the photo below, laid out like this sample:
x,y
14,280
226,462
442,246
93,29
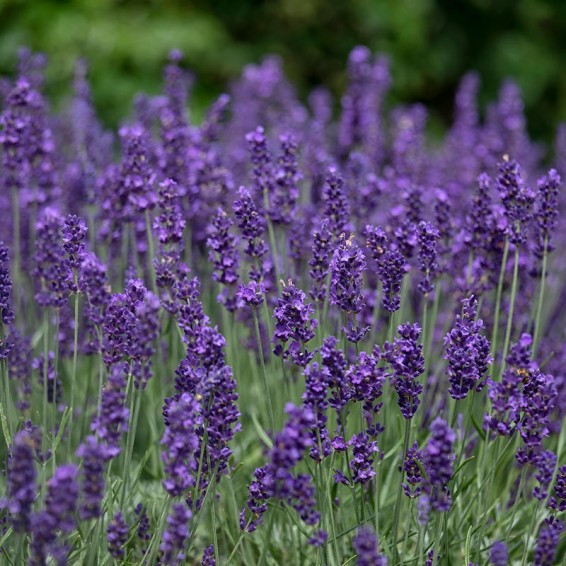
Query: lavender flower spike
x,y
366,547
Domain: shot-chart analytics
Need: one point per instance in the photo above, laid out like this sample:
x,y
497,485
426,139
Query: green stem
x,y
74,374
400,490
151,251
265,384
498,306
540,297
511,310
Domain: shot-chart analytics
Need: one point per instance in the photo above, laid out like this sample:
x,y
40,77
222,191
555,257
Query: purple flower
x,y
252,294
131,327
428,236
112,419
547,542
517,200
180,441
169,224
51,266
318,539
143,523
439,464
117,536
365,382
347,270
366,547
293,324
276,479
136,192
467,352
262,164
361,464
336,207
223,253
58,515
412,468
334,361
21,482
391,266
317,381
175,535
545,463
558,499
251,224
6,313
322,249
546,211
94,456
208,556
74,234
407,363
287,177
498,554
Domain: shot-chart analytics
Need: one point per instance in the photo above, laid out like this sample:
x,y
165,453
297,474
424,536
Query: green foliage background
x,y
431,44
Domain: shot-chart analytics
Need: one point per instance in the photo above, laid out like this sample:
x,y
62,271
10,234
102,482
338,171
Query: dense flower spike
x,y
57,516
74,234
181,441
287,177
175,535
547,542
112,419
322,248
558,499
366,547
546,211
498,554
21,482
412,466
293,324
467,352
428,236
51,266
251,223
517,200
117,536
406,360
94,456
439,464
336,207
276,479
6,313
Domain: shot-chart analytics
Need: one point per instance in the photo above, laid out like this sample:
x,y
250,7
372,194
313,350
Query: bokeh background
x,y
431,44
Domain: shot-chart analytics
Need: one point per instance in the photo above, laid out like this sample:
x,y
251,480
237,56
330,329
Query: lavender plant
x,y
280,336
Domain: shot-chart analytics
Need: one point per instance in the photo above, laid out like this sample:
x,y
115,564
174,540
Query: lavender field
x,y
292,333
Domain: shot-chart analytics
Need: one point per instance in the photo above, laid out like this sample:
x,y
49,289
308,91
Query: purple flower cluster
x,y
181,441
175,535
322,250
439,464
428,236
21,482
366,547
112,419
117,536
412,467
467,352
405,357
276,479
517,200
6,313
293,324
391,266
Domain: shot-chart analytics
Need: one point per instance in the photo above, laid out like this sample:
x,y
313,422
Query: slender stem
x,y
151,251
530,530
498,305
511,309
265,384
74,375
400,489
540,297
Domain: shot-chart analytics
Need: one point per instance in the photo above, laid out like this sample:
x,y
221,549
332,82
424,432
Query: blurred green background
x,y
431,44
